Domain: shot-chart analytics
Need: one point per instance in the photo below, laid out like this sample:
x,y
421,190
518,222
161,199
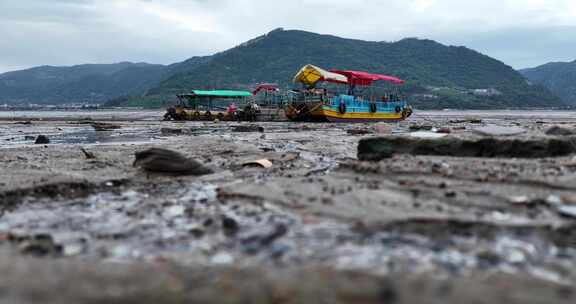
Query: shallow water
x,y
80,114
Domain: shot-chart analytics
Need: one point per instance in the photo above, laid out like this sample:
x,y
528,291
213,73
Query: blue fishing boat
x,y
316,104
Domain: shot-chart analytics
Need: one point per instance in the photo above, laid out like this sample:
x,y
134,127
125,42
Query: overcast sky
x,y
522,33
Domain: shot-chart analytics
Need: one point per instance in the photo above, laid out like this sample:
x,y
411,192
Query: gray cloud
x,y
521,33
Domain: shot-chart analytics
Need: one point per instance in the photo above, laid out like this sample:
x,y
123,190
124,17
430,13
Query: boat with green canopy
x,y
211,104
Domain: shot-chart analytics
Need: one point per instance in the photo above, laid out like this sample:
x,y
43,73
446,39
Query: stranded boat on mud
x,y
223,105
311,103
314,104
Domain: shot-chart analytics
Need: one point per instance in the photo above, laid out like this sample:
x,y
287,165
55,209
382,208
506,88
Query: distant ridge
x,y
438,76
87,83
558,77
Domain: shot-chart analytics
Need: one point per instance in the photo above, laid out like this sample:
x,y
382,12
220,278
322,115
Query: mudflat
x,y
446,207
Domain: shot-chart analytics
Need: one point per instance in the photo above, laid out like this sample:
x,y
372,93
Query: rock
x,y
444,131
102,126
255,243
40,245
42,139
567,210
29,137
467,120
420,127
559,131
171,131
248,128
494,130
166,161
358,131
230,225
375,149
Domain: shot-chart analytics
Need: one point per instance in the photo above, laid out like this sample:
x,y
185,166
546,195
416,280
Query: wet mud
x,y
457,227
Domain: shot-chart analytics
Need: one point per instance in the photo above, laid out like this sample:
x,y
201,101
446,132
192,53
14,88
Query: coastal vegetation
x,y
438,76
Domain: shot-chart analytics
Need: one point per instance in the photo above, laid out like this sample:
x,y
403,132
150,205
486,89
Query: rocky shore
x,y
441,208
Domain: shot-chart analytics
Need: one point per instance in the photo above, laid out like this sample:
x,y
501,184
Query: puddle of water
x,y
76,135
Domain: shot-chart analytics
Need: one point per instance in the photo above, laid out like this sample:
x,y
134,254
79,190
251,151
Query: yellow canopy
x,y
310,75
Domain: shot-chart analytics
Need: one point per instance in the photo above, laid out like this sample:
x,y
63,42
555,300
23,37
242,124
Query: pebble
x,y
42,139
559,131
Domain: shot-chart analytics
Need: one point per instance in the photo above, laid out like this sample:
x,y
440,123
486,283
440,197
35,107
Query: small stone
x,y
559,131
42,139
102,126
40,245
171,131
173,211
222,258
421,127
358,131
567,210
230,225
554,200
248,128
444,131
519,200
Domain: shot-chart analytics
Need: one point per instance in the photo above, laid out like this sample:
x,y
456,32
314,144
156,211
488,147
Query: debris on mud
x,y
42,139
87,154
467,120
384,147
417,127
359,131
166,161
444,130
264,163
494,130
175,131
248,128
102,126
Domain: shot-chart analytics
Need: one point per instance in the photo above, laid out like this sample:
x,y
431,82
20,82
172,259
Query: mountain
x,y
438,76
558,77
82,83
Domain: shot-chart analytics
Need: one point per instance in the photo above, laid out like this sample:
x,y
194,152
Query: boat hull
x,y
320,112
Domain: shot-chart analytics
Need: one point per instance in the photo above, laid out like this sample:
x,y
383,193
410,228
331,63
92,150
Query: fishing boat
x,y
318,104
214,104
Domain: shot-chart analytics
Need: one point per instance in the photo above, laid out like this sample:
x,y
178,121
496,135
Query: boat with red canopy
x,y
357,104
